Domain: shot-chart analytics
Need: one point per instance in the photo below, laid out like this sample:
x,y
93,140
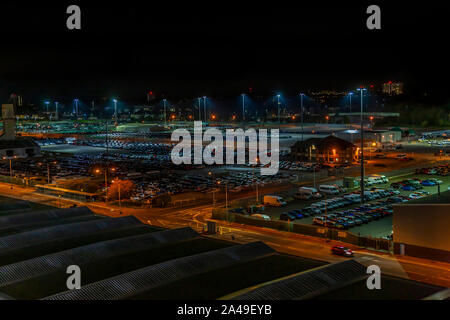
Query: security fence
x,y
19,181
305,229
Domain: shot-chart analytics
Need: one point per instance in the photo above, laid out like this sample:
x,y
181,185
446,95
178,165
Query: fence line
x,y
305,229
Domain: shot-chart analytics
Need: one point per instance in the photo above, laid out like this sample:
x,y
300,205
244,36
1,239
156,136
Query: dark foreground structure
x,y
122,258
421,227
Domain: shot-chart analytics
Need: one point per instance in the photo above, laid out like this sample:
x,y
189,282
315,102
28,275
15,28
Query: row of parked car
x,y
345,219
441,170
132,146
325,206
415,184
300,166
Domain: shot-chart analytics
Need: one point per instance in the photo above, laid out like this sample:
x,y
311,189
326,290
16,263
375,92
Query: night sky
x,y
218,48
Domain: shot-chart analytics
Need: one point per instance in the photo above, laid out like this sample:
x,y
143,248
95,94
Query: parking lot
x,y
381,227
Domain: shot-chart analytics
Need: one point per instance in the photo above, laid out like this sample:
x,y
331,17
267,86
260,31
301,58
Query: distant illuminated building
x,y
392,88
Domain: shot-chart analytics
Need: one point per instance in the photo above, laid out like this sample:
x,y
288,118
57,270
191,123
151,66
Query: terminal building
x,y
421,227
328,149
10,146
377,136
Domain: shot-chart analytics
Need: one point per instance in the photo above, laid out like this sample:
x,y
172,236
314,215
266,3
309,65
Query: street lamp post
x,y
10,170
118,187
350,95
362,145
165,116
278,106
256,181
115,110
243,106
301,106
199,109
76,108
47,103
56,111
204,107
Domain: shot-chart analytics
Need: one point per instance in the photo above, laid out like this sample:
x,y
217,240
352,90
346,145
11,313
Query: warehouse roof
x,y
122,258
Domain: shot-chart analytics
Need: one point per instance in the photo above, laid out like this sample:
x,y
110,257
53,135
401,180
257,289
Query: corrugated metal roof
x,y
306,284
81,255
33,237
41,216
129,284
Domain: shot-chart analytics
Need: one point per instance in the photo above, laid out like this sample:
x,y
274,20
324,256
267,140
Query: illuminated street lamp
x,y
361,90
56,110
199,108
10,168
204,106
118,189
76,108
256,182
350,96
115,110
97,171
301,107
278,105
165,115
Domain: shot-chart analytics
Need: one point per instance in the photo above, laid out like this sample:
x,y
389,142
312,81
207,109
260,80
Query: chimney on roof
x,y
9,122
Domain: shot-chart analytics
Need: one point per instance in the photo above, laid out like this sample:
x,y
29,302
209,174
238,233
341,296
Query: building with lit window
x,y
329,149
392,88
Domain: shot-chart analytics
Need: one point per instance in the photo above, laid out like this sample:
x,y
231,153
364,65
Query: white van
x,y
374,180
306,193
274,201
328,189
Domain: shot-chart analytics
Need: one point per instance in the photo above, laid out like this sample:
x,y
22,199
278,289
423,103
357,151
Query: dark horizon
x,y
194,50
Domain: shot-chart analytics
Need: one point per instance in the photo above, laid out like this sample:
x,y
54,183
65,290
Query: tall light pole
x,y
199,108
278,105
56,111
204,107
47,103
256,182
10,169
165,116
243,106
76,108
301,106
115,110
361,90
350,96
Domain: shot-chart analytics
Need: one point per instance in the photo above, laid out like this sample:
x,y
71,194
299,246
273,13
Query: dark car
x,y
297,213
285,216
342,251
